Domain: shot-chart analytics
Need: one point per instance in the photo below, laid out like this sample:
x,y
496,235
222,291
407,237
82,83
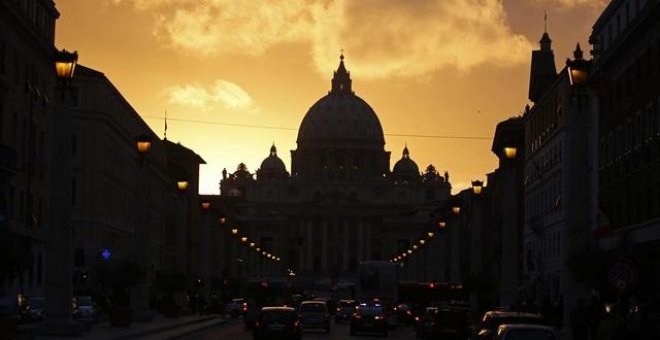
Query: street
x,y
235,330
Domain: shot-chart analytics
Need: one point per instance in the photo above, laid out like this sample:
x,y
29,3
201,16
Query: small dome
x,y
273,163
406,166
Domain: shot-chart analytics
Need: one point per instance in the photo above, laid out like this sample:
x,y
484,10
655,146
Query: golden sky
x,y
237,76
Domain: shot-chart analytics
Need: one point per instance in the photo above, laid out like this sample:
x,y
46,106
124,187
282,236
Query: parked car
x,y
314,315
33,309
450,323
345,310
369,318
525,331
235,307
487,329
423,322
277,323
84,307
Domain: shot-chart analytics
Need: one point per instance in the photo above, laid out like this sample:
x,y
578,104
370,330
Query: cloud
x,y
414,37
221,94
573,3
381,38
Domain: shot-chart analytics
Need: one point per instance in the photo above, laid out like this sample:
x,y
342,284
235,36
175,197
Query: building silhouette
x,y
340,204
27,86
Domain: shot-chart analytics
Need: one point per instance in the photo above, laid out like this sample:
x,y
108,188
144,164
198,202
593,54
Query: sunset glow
x,y
236,77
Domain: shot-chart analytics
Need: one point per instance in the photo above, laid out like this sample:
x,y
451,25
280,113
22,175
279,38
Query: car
x,y
314,315
526,331
423,322
345,310
404,313
235,307
450,323
391,315
84,307
33,309
487,329
369,318
277,323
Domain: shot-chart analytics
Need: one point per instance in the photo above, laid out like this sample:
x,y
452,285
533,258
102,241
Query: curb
x,y
193,331
147,332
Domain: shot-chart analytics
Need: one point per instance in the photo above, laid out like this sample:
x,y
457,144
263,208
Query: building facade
x,y
115,190
340,204
560,184
27,85
626,77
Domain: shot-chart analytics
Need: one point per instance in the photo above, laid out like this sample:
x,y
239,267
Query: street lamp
x,y
578,68
143,144
244,239
222,220
251,244
415,247
65,64
430,234
258,249
182,185
510,152
422,241
442,224
477,187
409,251
234,231
405,254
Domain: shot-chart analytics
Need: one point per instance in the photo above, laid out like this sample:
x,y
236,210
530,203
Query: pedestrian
x,y
579,321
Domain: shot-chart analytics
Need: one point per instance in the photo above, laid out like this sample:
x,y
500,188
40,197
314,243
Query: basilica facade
x,y
340,203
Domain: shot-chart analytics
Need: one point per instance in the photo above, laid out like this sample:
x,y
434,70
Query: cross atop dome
x,y
273,150
341,80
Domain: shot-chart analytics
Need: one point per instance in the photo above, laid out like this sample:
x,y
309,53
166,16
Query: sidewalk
x,y
161,328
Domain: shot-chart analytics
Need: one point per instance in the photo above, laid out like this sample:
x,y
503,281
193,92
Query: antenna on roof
x,y
165,134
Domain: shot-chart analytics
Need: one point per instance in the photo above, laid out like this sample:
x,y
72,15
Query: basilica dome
x,y
341,119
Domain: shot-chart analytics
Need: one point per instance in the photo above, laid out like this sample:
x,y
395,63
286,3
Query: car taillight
x,y
409,312
378,317
417,318
338,309
244,306
296,324
357,316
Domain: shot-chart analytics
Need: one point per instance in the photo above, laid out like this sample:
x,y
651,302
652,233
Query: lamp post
x,y
455,204
476,246
205,206
141,238
58,287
